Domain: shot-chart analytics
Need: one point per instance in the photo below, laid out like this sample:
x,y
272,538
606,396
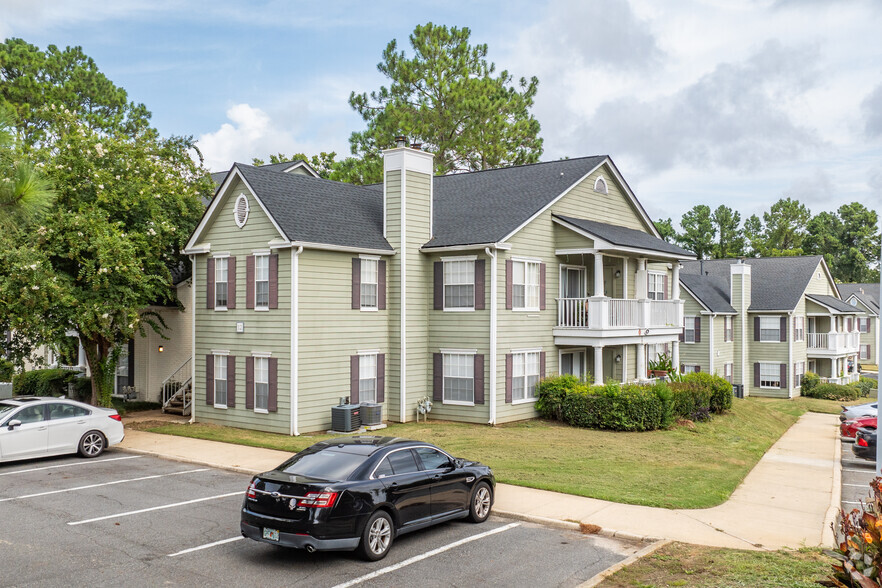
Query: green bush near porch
x,y
834,392
633,407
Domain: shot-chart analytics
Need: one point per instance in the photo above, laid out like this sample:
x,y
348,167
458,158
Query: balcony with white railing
x,y
617,317
832,344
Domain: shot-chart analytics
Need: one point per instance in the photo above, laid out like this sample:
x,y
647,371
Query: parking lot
x,y
856,476
135,520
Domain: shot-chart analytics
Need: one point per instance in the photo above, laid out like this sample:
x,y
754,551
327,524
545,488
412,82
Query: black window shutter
x,y
231,381
356,283
231,283
479,379
783,328
274,281
272,404
249,382
541,286
756,375
508,277
437,377
209,282
209,380
756,328
783,376
249,281
381,378
381,284
479,284
698,329
353,379
438,291
508,376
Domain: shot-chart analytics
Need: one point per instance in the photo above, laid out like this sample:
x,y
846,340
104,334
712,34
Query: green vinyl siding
x,y
696,353
330,332
565,238
393,293
767,352
820,283
419,279
267,331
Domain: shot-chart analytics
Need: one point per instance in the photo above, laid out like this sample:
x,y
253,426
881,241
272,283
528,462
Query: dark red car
x,y
849,428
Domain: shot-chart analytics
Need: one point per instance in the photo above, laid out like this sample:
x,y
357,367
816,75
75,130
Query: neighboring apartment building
x,y
762,323
466,289
866,298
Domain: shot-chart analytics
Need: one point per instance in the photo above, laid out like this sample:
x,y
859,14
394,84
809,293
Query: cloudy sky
x,y
734,102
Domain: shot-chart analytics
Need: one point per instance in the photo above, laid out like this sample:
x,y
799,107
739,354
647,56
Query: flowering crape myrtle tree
x,y
126,204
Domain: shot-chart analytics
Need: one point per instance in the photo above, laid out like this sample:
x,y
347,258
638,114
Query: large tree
x,y
448,97
848,240
730,241
785,227
25,192
665,228
698,231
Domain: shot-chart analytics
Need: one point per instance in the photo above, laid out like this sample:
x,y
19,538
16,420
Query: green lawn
x,y
679,564
682,467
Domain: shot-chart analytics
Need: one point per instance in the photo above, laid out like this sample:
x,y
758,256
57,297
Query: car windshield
x,y
323,465
6,408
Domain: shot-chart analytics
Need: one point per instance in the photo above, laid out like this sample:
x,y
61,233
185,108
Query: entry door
x,y
573,363
572,282
812,326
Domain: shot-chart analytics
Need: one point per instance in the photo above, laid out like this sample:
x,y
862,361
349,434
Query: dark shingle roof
x,y
777,283
486,206
867,293
626,237
314,210
834,303
710,291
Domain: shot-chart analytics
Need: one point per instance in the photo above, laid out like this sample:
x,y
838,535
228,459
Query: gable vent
x,y
241,212
600,185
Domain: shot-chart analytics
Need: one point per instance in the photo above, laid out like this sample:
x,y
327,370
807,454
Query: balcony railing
x,y
602,313
833,341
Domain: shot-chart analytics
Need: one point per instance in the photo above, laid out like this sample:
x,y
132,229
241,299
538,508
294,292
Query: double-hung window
x,y
459,285
261,384
524,376
220,283
261,282
799,328
864,324
728,372
865,352
691,368
369,288
770,328
770,375
367,377
728,329
655,286
220,380
798,373
525,285
459,378
689,329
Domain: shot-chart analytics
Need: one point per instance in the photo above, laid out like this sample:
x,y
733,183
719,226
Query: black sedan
x,y
865,444
359,493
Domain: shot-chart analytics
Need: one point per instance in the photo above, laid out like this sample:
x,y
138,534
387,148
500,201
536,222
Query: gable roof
x,y
777,283
710,292
624,236
868,294
313,210
833,303
488,206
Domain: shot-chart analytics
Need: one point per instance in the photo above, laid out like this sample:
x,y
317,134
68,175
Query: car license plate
x,y
271,534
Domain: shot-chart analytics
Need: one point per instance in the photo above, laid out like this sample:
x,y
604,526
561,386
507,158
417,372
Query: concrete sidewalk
x,y
787,500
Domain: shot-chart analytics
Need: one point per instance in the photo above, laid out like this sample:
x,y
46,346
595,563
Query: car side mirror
x,y
457,463
13,424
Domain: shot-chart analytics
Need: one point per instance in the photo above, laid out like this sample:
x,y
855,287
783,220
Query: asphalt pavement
x,y
137,520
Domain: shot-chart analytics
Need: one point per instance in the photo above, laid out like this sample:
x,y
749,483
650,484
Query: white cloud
x,y
872,109
249,133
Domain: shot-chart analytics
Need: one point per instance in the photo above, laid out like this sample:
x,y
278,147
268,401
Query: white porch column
x,y
598,274
598,365
81,354
675,287
675,356
641,287
641,360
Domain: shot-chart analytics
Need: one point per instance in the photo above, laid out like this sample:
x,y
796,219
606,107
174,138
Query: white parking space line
x,y
102,484
69,465
858,485
206,546
164,506
858,471
426,555
851,502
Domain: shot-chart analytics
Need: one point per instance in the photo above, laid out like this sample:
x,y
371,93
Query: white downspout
x,y
193,339
790,369
493,305
295,340
712,318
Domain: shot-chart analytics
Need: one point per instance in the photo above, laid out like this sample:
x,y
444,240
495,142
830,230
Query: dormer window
x,y
600,185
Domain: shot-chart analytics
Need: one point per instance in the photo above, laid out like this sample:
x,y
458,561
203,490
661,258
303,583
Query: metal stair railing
x,y
177,385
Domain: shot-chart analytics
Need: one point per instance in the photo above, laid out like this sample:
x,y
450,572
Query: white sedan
x,y
37,427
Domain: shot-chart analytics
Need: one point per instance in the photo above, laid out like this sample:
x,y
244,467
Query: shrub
x,y
51,382
833,392
690,401
809,381
865,386
718,388
552,393
6,370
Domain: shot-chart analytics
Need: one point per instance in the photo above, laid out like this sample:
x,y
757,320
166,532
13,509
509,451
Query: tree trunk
x,y
102,365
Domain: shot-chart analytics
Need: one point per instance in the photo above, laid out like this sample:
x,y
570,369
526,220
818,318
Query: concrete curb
x,y
828,538
649,549
573,526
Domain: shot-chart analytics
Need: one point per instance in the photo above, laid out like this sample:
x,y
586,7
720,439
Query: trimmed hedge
x,y
51,382
833,392
632,407
809,381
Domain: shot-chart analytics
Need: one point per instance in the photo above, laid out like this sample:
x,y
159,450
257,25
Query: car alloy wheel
x,y
92,444
379,536
482,501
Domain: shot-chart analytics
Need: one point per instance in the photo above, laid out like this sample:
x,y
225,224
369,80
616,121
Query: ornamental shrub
x,y
718,388
552,393
52,382
866,386
6,370
809,381
833,392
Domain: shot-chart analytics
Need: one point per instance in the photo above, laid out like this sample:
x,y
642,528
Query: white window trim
x,y
687,318
216,256
778,340
730,330
256,255
469,352
266,354
692,367
376,378
444,308
799,375
656,273
376,307
560,354
227,379
525,351
261,355
778,367
526,260
796,330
